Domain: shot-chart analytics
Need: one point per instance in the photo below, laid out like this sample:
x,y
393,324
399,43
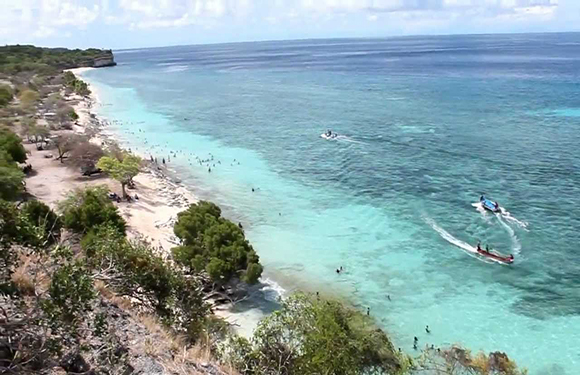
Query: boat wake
x,y
505,214
516,245
508,217
467,248
342,138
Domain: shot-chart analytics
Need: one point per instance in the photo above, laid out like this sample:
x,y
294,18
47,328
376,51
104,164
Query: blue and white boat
x,y
489,204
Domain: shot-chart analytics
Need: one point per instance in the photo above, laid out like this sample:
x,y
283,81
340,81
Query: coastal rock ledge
x,y
105,60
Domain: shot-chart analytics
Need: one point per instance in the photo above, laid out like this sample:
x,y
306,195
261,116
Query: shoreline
x,y
161,197
260,301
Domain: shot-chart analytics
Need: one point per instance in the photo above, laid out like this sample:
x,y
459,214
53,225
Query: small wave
x,y
175,68
272,290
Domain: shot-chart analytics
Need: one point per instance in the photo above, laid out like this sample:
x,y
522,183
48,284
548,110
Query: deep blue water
x,y
426,125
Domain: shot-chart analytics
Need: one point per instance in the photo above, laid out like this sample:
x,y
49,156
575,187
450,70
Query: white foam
x,y
175,68
516,245
506,215
272,290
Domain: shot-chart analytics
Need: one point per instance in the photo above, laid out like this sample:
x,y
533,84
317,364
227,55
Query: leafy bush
x,y
39,215
71,290
11,144
86,209
214,244
311,336
28,98
11,177
5,95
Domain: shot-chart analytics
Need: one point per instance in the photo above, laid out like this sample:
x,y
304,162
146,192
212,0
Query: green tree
x,y
11,177
5,95
45,220
12,145
121,170
313,336
214,244
69,78
86,209
28,98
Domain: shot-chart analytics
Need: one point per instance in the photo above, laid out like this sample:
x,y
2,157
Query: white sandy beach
x,y
151,217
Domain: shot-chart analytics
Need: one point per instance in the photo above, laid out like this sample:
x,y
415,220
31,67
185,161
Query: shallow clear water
x,y
427,124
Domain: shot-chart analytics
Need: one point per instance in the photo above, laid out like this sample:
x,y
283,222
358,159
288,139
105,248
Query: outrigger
x,y
495,256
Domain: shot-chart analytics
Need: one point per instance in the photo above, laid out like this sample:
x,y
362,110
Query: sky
x,y
121,24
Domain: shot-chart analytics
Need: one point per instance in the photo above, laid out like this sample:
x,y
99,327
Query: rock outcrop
x,y
107,60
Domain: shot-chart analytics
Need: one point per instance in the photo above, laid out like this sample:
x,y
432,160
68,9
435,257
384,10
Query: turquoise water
x,y
426,125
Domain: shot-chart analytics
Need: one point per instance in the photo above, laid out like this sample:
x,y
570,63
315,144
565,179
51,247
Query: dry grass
x,y
29,277
123,302
23,280
168,348
152,348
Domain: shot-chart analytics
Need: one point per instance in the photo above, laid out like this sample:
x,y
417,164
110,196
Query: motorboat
x,y
328,135
489,204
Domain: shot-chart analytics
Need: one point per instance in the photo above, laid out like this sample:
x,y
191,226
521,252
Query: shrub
x,y
312,336
214,244
28,98
5,95
141,274
71,290
11,177
11,144
42,217
10,232
86,209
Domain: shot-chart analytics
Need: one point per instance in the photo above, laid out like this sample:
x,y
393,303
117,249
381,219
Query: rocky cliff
x,y
102,61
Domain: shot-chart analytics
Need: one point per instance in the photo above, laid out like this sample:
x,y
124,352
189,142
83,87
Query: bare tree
x,y
66,143
85,156
64,116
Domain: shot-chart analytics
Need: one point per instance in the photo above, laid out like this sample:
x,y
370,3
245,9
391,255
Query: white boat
x,y
328,135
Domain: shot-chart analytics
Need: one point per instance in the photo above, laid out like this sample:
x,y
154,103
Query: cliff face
x,y
102,61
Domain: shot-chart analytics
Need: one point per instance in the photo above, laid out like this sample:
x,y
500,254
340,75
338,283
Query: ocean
x,y
425,126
